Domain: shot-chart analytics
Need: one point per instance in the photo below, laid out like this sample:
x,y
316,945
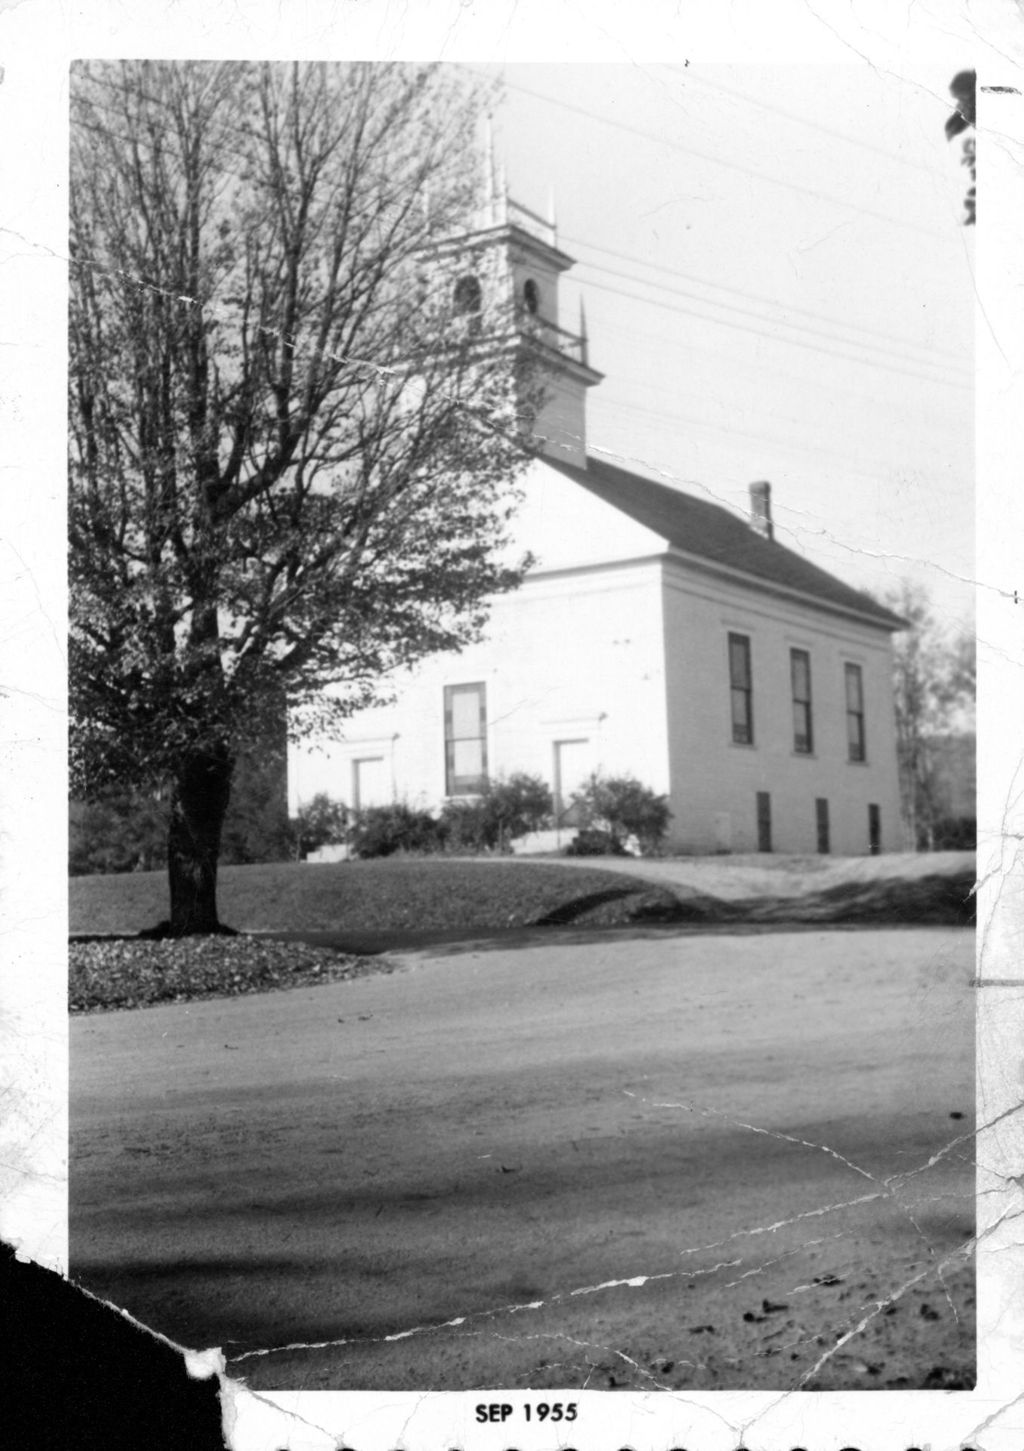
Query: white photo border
x,y
41,39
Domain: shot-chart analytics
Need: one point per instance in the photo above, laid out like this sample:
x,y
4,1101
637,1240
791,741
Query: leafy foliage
x,y
593,842
504,811
256,826
125,829
963,89
319,822
385,830
121,831
289,467
623,807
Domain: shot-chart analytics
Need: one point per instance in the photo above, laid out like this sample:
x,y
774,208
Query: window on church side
x,y
855,713
800,675
741,690
465,739
531,296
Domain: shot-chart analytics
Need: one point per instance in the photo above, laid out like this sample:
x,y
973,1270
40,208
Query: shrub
x,y
504,811
517,806
623,807
320,822
384,830
462,827
592,842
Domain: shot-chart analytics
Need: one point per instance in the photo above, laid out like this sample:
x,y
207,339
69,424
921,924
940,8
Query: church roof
x,y
720,537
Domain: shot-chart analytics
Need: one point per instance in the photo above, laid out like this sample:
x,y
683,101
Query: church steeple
x,y
495,191
527,246
505,275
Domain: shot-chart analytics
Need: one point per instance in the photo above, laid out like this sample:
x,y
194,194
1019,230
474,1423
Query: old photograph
x,y
522,722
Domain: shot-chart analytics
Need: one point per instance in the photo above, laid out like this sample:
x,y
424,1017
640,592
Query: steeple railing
x,y
570,345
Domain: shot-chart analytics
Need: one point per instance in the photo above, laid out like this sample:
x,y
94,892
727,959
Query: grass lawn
x,y
389,895
416,894
349,897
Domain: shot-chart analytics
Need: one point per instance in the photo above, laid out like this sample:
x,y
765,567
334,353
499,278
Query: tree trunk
x,y
199,803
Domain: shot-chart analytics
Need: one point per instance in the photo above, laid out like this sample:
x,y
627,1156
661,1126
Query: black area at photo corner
x,y
76,1373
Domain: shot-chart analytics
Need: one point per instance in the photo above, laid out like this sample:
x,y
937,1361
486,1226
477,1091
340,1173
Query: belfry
x,y
504,275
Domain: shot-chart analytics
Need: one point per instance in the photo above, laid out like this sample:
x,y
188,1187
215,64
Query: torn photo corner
x,y
503,594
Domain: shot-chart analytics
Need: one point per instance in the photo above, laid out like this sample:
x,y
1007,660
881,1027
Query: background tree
x,y
118,831
256,825
288,469
124,829
934,687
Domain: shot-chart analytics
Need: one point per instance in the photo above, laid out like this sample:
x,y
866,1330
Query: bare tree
x,y
290,467
934,675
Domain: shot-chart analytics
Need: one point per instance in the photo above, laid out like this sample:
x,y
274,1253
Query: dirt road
x,y
696,1160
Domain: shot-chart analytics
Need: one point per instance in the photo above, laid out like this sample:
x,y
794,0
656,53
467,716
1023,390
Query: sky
x,y
778,285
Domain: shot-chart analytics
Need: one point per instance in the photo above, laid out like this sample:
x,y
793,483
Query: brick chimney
x,y
761,510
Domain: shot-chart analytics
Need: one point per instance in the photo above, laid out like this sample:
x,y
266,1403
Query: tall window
x,y
800,676
741,690
369,782
855,713
465,739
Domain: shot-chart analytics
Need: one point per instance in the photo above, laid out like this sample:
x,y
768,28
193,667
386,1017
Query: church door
x,y
370,786
764,821
574,762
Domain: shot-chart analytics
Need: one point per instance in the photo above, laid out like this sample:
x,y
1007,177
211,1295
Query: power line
x,y
769,441
770,337
770,321
725,322
686,346
712,302
693,74
814,409
717,160
749,296
746,328
731,430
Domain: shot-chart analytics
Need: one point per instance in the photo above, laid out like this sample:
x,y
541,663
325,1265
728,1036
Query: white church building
x,y
656,635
